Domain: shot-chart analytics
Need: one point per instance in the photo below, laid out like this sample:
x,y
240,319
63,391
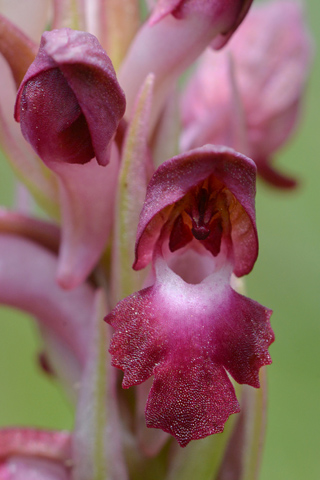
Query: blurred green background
x,y
286,278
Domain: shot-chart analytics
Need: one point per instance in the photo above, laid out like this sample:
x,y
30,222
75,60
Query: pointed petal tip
x,y
67,278
276,178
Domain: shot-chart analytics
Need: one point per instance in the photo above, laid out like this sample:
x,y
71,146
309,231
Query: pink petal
x,y
151,51
227,15
190,400
191,396
273,176
72,67
271,46
87,202
243,338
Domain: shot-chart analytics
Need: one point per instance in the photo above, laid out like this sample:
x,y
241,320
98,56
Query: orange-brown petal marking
x,y
180,235
205,218
179,187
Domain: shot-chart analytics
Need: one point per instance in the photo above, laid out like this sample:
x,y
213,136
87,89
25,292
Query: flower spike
x,y
198,222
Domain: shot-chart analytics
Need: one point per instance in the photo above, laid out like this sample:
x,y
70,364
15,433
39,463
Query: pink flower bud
x,y
270,56
70,103
228,15
173,38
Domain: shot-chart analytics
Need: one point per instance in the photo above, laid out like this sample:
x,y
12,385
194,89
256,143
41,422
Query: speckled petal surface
x,y
187,336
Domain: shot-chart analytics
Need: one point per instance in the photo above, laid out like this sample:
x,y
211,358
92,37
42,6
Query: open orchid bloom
x,y
97,110
185,331
263,68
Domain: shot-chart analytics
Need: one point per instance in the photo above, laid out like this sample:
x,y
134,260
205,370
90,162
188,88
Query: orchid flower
x,y
96,142
253,88
183,330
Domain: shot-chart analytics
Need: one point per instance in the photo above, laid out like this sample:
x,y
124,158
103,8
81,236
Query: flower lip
x,y
187,173
69,103
189,336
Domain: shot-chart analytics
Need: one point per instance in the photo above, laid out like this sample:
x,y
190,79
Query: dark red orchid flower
x,y
190,328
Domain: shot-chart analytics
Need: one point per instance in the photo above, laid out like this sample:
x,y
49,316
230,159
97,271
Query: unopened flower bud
x,y
70,103
270,57
226,15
